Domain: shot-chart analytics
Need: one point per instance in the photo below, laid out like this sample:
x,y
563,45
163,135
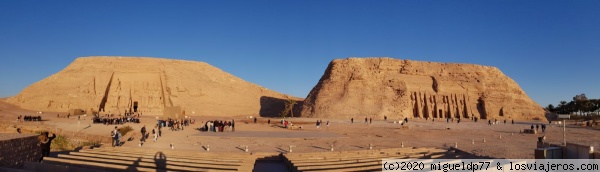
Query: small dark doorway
x,y
135,106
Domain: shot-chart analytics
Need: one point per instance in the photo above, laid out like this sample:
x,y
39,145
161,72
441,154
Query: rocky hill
x,y
148,85
377,87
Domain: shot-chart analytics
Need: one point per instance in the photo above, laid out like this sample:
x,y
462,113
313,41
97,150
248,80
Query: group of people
x,y
116,137
156,132
537,127
219,126
29,118
114,121
175,124
320,122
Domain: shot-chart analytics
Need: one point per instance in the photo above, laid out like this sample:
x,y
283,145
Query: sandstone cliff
x,y
149,86
377,87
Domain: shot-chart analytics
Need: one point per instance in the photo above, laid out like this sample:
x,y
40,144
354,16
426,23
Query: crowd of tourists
x,y
28,118
175,124
111,120
537,127
219,126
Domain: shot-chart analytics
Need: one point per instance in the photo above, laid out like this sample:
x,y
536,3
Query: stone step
x,y
110,166
334,156
332,159
409,149
321,163
342,161
150,162
93,165
171,159
341,167
4,169
195,157
361,169
391,151
173,153
180,151
46,166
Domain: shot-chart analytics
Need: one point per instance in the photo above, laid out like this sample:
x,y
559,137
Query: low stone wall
x,y
15,149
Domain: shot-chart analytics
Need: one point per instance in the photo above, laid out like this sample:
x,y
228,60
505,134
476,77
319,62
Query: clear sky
x,y
550,48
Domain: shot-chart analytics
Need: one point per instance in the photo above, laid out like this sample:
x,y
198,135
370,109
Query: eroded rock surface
x,y
377,87
119,84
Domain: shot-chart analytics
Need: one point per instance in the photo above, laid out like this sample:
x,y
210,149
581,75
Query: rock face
x,y
378,87
148,85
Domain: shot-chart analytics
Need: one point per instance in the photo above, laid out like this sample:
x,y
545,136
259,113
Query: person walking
x,y
544,128
143,131
232,125
45,143
118,137
154,133
112,136
318,124
532,127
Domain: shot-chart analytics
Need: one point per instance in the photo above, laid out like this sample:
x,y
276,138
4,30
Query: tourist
x,y
352,120
154,134
532,127
269,121
504,121
544,128
537,127
159,131
370,120
490,122
118,137
318,125
385,118
255,120
366,120
113,135
143,131
406,120
513,121
327,124
232,125
45,143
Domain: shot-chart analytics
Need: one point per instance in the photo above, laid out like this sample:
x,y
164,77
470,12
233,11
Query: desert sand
x,y
343,134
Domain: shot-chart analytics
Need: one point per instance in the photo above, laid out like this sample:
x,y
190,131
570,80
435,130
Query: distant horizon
x,y
550,48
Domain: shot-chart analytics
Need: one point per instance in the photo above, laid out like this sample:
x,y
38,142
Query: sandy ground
x,y
501,140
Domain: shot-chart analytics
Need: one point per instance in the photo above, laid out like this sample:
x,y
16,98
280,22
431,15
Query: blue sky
x,y
550,48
